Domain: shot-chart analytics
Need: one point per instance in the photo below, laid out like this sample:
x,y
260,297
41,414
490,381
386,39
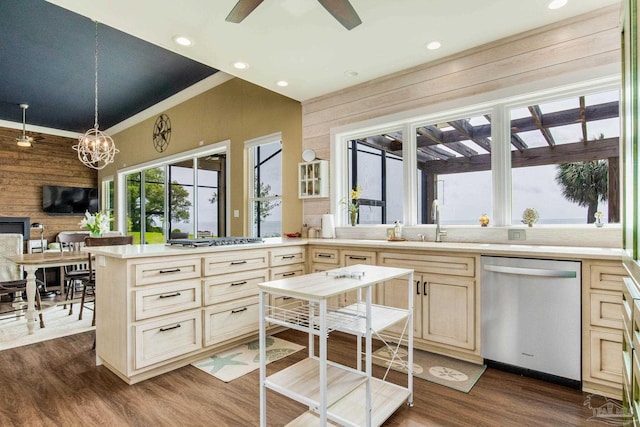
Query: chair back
x,y
105,241
73,241
108,241
10,244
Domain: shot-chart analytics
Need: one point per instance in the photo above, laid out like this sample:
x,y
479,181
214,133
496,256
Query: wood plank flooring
x,y
56,383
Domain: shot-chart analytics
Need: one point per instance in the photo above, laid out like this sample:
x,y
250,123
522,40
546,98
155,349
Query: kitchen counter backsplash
x,y
609,236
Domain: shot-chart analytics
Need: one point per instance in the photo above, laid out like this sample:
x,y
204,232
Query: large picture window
x,y
183,197
556,153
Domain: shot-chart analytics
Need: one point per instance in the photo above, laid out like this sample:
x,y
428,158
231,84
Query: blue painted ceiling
x,y
47,61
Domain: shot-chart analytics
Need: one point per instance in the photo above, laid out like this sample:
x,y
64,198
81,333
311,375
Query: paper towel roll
x,y
328,227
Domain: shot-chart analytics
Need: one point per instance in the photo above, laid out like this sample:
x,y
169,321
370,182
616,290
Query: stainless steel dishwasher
x,y
531,321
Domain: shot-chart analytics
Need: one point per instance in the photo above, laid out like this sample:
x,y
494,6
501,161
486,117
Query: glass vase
x,y
354,217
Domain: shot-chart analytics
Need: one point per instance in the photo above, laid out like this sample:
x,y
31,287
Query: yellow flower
x,y
355,192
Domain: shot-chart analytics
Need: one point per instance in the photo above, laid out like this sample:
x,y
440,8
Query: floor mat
x,y
443,370
245,358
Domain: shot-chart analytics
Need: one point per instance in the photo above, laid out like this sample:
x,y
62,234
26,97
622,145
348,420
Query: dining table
x,y
34,261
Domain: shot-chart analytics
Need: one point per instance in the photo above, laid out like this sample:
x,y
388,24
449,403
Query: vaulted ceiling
x,y
47,48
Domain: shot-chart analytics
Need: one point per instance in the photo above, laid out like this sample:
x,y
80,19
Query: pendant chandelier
x,y
95,148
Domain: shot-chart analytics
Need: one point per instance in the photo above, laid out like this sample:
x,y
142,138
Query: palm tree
x,y
584,183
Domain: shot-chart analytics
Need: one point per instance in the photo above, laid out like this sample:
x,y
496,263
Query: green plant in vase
x,y
353,204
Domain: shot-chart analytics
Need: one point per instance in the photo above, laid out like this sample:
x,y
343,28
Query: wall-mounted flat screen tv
x,y
59,200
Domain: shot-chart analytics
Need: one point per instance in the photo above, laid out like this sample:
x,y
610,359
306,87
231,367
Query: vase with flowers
x,y
353,204
97,223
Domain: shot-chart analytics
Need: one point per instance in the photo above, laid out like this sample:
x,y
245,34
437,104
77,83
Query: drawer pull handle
x,y
288,257
286,298
175,270
358,258
239,283
240,310
238,262
324,256
177,294
288,274
170,328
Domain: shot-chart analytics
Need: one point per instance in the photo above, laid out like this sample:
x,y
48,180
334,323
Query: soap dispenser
x,y
397,230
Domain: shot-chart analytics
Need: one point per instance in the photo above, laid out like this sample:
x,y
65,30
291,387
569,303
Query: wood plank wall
x,y
580,43
23,172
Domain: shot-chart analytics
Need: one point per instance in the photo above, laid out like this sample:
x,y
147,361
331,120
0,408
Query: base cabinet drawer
x,y
167,271
168,299
227,287
171,336
606,309
230,320
325,255
287,256
287,271
606,356
235,261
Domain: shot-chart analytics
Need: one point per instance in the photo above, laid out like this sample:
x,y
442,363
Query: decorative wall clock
x,y
161,133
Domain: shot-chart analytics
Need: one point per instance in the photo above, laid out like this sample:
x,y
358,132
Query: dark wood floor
x,y
56,383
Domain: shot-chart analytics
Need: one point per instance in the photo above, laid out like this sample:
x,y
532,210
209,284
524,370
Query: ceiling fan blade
x,y
343,12
241,10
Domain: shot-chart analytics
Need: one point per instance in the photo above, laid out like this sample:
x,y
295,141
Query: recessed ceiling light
x,y
182,40
239,65
434,45
282,83
351,73
557,4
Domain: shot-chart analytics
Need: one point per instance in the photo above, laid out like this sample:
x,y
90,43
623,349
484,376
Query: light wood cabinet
x,y
166,312
313,179
602,318
446,300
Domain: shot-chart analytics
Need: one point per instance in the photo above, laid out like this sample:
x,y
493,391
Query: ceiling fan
x,y
24,140
342,10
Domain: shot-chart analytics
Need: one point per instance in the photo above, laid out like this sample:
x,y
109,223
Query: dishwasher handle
x,y
530,271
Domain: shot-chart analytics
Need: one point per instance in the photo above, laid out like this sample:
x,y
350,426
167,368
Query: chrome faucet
x,y
435,212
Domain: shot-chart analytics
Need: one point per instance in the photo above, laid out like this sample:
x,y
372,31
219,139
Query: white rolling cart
x,y
337,394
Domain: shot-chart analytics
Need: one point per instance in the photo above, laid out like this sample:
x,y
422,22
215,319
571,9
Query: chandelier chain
x,y
96,79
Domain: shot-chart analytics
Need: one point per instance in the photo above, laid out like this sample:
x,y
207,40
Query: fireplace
x,y
19,225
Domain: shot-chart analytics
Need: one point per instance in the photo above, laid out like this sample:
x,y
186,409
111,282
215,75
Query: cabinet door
x,y
448,313
394,294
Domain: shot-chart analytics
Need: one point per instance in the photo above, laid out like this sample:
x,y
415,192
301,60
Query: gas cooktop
x,y
217,241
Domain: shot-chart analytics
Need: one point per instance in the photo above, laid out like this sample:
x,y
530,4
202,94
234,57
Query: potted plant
x,y
530,216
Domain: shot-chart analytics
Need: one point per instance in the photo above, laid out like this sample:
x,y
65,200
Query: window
x,y
265,186
107,200
182,197
378,172
453,158
497,158
565,152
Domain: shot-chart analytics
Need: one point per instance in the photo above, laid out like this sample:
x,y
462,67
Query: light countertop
x,y
565,252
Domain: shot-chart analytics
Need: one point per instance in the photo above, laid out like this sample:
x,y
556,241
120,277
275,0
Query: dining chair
x,y
89,285
12,279
73,274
